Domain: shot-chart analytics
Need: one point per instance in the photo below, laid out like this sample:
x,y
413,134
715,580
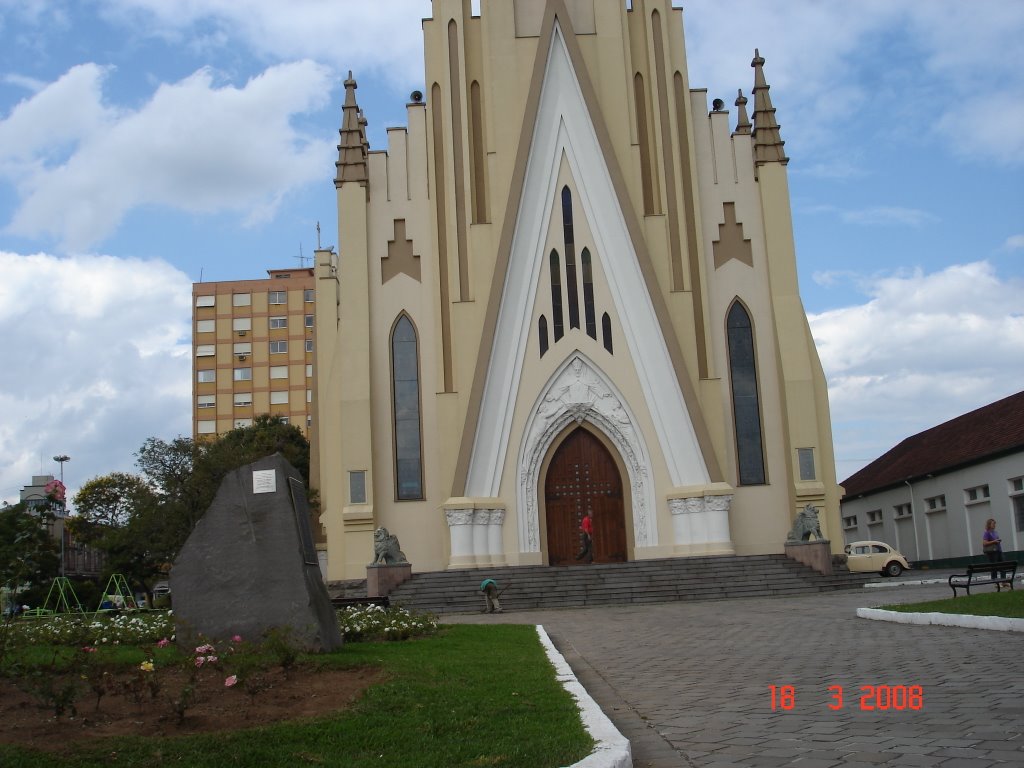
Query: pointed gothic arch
x,y
743,385
406,411
579,391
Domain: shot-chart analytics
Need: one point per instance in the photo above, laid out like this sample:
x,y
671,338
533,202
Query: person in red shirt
x,y
587,526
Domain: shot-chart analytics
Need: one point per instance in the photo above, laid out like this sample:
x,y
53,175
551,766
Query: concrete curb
x,y
915,583
998,623
611,748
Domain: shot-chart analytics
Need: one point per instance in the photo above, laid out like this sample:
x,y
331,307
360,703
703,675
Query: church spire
x,y
742,121
353,148
767,141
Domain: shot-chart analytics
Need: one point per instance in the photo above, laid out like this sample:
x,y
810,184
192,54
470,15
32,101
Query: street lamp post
x,y
60,459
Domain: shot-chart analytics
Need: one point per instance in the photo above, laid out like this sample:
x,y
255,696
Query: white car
x,y
877,556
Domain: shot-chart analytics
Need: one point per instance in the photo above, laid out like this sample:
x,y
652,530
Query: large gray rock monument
x,y
251,566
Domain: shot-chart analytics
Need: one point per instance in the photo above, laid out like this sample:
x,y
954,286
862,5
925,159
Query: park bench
x,y
345,602
980,574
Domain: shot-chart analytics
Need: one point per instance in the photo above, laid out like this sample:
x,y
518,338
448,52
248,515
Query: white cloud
x,y
348,35
101,355
1014,243
923,349
195,146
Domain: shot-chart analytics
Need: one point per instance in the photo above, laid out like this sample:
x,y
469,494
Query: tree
x,y
108,503
28,556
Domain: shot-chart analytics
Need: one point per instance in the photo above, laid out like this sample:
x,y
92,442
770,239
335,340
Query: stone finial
x,y
353,149
768,142
742,121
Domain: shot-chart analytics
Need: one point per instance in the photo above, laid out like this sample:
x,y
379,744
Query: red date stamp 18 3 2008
x,y
883,698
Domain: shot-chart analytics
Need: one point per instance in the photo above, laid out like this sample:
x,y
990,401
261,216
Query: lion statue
x,y
806,523
385,548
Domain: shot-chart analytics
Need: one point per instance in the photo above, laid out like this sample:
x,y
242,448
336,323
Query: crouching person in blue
x,y
490,589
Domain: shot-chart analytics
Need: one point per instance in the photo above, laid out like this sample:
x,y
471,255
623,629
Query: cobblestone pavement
x,y
690,684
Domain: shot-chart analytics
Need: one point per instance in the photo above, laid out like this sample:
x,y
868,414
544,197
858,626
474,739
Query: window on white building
x,y
206,376
239,423
850,522
206,301
874,517
309,345
206,350
903,510
357,487
206,326
241,299
206,401
278,322
976,495
242,348
243,398
241,324
206,427
279,371
936,503
277,297
309,321
243,374
307,295
279,398
309,370
277,347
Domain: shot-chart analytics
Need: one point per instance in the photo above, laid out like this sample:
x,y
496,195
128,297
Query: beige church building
x,y
568,285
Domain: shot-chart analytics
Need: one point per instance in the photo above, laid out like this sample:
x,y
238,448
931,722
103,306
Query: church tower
x,y
566,286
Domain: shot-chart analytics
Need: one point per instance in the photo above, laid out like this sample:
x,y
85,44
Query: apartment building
x,y
252,351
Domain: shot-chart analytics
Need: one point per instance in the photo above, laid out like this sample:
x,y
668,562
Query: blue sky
x,y
144,143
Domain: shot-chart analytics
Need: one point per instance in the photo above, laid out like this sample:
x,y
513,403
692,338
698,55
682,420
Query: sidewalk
x,y
690,683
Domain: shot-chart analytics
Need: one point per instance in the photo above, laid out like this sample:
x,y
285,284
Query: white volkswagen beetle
x,y
877,556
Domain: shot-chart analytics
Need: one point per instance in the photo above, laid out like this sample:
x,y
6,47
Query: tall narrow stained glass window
x,y
588,294
606,333
745,406
557,328
570,260
406,408
542,334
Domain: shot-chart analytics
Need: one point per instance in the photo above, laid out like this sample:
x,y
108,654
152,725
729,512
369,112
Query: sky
x,y
148,144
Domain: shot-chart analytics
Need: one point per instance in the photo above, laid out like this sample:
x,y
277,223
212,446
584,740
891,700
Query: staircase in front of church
x,y
640,581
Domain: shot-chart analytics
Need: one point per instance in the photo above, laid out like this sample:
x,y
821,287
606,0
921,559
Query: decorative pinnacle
x,y
352,150
768,141
742,121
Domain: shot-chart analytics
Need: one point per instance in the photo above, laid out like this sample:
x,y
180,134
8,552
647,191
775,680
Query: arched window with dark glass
x,y
570,260
556,296
542,334
588,294
606,332
405,388
745,406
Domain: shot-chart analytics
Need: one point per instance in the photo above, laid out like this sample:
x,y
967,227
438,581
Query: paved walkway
x,y
689,683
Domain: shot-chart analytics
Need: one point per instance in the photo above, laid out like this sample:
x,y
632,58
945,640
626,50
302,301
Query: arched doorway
x,y
583,475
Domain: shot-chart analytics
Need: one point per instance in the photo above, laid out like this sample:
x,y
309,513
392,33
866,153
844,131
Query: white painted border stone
x,y
998,623
611,748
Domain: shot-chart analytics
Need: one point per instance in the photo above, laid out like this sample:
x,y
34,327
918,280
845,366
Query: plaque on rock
x,y
250,565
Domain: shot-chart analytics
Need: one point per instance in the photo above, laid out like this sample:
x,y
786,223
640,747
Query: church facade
x,y
566,286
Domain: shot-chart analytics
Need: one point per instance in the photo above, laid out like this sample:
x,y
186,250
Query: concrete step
x,y
645,581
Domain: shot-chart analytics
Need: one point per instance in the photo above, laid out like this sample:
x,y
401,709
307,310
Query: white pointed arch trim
x,y
579,391
563,128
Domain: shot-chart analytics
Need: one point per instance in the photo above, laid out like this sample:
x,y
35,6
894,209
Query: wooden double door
x,y
583,476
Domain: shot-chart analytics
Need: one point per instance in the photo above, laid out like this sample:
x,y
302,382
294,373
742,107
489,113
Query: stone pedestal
x,y
382,579
816,554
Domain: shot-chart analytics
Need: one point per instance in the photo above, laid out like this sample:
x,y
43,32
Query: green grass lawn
x,y
470,696
1009,604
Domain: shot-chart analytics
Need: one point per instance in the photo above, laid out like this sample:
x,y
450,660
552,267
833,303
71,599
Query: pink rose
x,y
230,681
